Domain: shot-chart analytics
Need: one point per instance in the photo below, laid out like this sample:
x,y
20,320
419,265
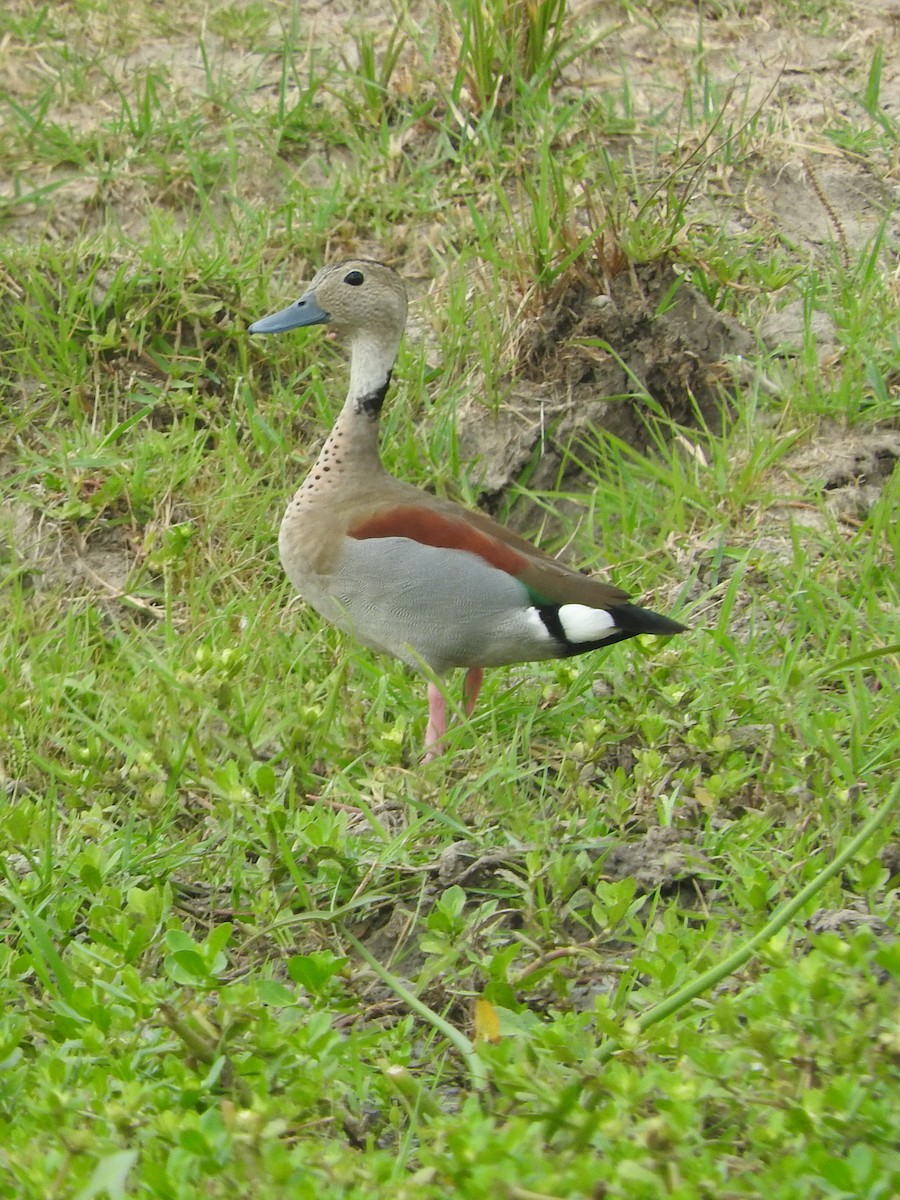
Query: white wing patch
x,y
536,626
583,624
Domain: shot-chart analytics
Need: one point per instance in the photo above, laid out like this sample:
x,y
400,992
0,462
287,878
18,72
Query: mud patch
x,y
837,203
785,330
53,556
822,489
847,469
847,921
662,859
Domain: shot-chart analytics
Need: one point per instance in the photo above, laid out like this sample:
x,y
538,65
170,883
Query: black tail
x,y
632,620
629,622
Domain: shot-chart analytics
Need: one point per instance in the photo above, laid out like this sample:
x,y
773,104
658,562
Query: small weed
x,y
504,47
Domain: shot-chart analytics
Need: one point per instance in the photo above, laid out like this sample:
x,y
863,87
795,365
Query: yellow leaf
x,y
487,1023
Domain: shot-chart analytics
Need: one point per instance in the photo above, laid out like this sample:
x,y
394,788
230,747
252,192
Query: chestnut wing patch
x,y
431,528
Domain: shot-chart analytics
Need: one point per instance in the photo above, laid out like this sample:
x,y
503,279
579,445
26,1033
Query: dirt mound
x,y
603,354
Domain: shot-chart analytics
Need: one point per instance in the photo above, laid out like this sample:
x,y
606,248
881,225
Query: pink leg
x,y
471,688
437,722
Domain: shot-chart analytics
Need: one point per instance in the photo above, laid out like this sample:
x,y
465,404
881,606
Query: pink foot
x,y
437,723
437,711
471,688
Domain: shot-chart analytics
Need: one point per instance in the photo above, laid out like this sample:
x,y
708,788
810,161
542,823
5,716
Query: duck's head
x,y
358,298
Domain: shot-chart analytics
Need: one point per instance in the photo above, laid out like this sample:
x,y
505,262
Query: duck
x,y
436,585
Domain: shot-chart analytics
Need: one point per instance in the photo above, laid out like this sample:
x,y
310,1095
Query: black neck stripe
x,y
371,403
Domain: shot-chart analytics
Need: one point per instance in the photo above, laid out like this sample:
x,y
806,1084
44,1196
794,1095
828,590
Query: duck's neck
x,y
371,363
354,437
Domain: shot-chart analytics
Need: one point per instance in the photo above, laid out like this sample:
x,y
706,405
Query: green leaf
x,y
110,1176
275,993
187,967
313,971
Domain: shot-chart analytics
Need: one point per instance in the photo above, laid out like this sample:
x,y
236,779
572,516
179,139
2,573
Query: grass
x,y
630,936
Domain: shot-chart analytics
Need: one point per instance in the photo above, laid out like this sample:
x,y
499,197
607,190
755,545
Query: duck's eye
x,y
354,278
